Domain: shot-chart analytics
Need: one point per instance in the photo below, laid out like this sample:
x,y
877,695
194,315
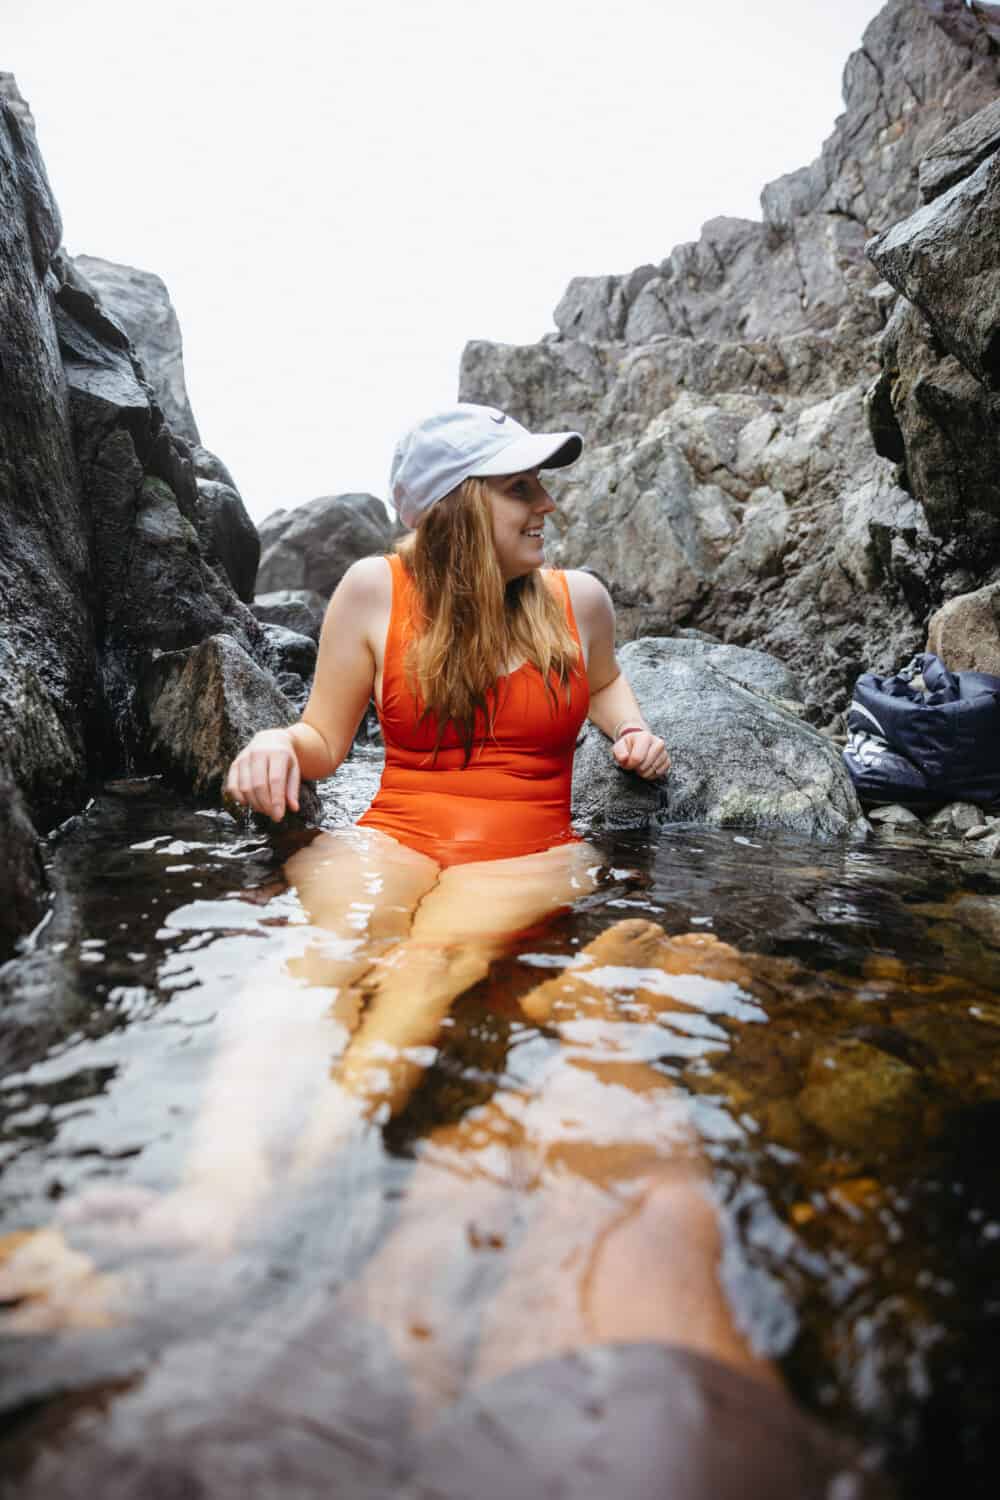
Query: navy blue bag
x,y
926,744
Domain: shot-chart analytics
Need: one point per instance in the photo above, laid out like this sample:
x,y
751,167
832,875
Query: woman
x,y
483,668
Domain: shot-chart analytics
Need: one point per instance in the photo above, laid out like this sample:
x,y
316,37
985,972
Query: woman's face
x,y
519,505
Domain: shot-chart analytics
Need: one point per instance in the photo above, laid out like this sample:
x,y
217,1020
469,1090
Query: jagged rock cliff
x,y
730,480
110,551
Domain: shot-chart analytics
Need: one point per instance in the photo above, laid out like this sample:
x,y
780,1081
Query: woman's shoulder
x,y
588,592
362,599
370,578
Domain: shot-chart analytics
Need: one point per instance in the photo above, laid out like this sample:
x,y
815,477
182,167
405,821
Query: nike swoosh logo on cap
x,y
501,418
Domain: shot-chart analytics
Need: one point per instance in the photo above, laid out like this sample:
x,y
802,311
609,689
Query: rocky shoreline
x,y
793,456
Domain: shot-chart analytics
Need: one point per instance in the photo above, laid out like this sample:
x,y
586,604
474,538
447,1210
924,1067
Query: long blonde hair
x,y
469,624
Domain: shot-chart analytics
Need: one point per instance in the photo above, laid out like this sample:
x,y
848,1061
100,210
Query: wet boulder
x,y
203,705
312,546
140,302
296,609
23,887
742,757
290,651
227,535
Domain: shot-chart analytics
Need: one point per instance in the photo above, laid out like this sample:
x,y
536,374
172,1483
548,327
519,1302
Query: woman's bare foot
x,y
46,1286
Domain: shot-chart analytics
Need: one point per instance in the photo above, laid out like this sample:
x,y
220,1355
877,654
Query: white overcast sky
x,y
340,193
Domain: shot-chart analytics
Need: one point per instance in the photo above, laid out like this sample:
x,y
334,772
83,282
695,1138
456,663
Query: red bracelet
x,y
627,728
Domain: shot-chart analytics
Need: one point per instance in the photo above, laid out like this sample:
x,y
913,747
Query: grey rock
x,y
312,546
208,465
949,428
106,300
960,152
139,301
944,259
965,632
203,705
296,609
955,819
754,670
290,651
988,847
22,885
227,535
884,535
740,759
894,816
595,307
985,829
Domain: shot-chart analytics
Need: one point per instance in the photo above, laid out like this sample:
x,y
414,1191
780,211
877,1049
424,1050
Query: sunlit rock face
x,y
730,481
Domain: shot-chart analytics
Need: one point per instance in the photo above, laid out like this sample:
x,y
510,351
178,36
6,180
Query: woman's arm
x,y
613,706
267,772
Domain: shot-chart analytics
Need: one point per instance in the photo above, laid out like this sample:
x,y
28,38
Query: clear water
x,y
863,1220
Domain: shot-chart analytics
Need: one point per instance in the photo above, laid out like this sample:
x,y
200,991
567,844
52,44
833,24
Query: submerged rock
x,y
863,1099
741,758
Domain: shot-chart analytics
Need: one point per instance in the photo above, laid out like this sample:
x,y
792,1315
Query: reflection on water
x,y
831,1015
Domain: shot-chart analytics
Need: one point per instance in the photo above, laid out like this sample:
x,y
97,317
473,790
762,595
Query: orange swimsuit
x,y
513,797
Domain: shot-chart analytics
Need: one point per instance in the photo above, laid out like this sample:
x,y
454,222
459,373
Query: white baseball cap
x,y
468,441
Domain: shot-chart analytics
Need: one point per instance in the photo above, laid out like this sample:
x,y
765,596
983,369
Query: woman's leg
x,y
360,888
464,922
577,1214
626,1202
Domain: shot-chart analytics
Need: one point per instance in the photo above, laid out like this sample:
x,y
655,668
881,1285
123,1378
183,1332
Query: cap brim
x,y
536,450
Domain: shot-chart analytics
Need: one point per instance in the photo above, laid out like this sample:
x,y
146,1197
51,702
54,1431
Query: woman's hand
x,y
265,775
638,749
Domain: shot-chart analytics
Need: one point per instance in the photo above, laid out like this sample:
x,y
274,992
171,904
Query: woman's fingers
x,y
277,778
294,781
265,779
642,752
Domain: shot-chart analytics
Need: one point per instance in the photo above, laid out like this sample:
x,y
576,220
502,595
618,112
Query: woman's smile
x,y
519,504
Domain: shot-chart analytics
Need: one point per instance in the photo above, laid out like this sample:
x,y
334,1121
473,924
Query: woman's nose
x,y
544,502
